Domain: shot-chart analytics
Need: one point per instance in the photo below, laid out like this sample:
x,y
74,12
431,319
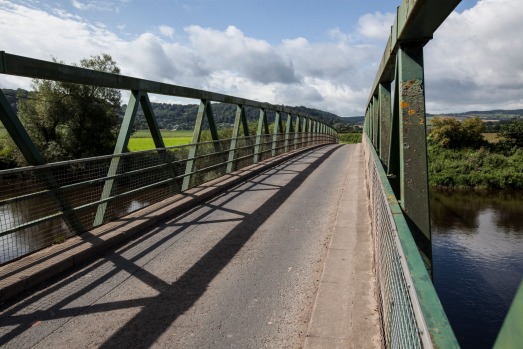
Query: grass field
x,y
142,140
350,138
492,137
165,134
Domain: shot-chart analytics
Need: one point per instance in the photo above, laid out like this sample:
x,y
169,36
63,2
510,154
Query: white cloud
x,y
477,69
232,50
333,76
167,31
99,5
475,60
376,26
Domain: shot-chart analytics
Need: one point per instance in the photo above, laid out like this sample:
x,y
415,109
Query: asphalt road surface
x,y
239,271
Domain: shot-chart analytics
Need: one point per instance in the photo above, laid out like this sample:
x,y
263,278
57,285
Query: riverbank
x,y
479,169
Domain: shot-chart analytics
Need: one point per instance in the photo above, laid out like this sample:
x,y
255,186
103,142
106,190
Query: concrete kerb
x,y
32,270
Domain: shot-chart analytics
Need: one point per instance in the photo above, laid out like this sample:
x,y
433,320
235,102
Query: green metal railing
x,y
396,154
44,204
395,147
412,315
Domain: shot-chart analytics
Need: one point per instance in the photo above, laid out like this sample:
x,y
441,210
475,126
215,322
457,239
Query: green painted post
x,y
121,146
203,110
239,119
288,130
371,122
312,135
365,123
315,131
157,138
276,132
151,120
309,131
33,157
18,133
511,334
376,123
369,125
393,166
385,121
414,191
263,125
297,133
212,127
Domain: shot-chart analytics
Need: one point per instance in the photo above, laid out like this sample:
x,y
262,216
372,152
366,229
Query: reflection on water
x,y
478,260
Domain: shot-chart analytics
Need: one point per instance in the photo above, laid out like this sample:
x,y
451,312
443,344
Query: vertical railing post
x,y
158,139
314,132
239,119
276,133
371,122
393,165
309,131
297,133
385,121
203,110
376,123
263,128
288,130
414,192
121,146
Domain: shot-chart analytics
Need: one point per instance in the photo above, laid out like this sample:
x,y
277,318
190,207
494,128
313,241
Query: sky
x,y
319,54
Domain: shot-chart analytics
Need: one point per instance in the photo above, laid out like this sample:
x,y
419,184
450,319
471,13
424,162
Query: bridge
x,y
274,239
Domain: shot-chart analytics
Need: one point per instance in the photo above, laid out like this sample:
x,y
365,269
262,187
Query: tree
x,y
72,121
513,133
450,133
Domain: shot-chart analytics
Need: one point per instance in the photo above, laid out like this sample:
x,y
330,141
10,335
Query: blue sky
x,y
269,20
318,54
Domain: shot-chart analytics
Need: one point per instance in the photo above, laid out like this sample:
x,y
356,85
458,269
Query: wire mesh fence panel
x,y
44,205
400,326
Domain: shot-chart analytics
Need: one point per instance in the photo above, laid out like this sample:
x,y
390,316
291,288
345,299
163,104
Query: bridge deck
x,y
241,270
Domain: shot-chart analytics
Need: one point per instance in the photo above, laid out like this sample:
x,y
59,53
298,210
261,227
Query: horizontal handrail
x,y
39,69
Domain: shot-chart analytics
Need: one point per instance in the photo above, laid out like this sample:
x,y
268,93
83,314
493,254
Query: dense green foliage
x,y
71,121
459,156
513,133
350,138
450,133
475,168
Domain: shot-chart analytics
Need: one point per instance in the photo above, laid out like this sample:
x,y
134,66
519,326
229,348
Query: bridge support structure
x,y
395,141
78,195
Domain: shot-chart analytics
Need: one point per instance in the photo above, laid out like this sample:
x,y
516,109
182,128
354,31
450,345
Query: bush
x,y
474,168
513,133
450,133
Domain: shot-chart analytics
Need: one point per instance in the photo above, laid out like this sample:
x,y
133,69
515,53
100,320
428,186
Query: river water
x,y
477,259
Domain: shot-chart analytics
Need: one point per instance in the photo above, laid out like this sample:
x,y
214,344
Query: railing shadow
x,y
146,326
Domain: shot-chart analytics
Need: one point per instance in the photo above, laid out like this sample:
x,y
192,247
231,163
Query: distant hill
x,y
183,116
356,120
498,114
